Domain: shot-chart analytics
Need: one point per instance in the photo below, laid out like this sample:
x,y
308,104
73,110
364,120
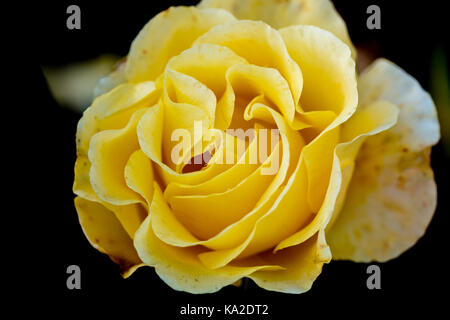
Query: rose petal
x,y
392,195
312,123
109,111
130,216
280,14
194,210
253,81
208,64
383,80
181,114
232,241
248,39
329,84
329,80
286,207
318,161
109,151
166,35
180,267
223,181
370,121
106,234
124,98
139,175
186,89
292,145
302,265
150,133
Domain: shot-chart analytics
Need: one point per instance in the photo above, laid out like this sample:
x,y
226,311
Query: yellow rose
x,y
353,177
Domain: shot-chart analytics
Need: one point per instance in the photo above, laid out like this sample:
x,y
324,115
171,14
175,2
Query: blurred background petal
x,y
72,85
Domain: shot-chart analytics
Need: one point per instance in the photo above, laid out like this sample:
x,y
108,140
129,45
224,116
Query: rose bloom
x,y
353,182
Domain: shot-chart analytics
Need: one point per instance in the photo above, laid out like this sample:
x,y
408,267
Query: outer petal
x,y
302,265
109,151
280,14
383,80
181,269
165,36
392,195
106,234
109,111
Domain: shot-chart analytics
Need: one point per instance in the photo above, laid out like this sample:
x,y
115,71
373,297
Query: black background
x,y
417,279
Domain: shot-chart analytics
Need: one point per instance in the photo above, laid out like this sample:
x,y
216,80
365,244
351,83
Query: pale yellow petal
x,y
366,121
390,201
392,195
383,80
